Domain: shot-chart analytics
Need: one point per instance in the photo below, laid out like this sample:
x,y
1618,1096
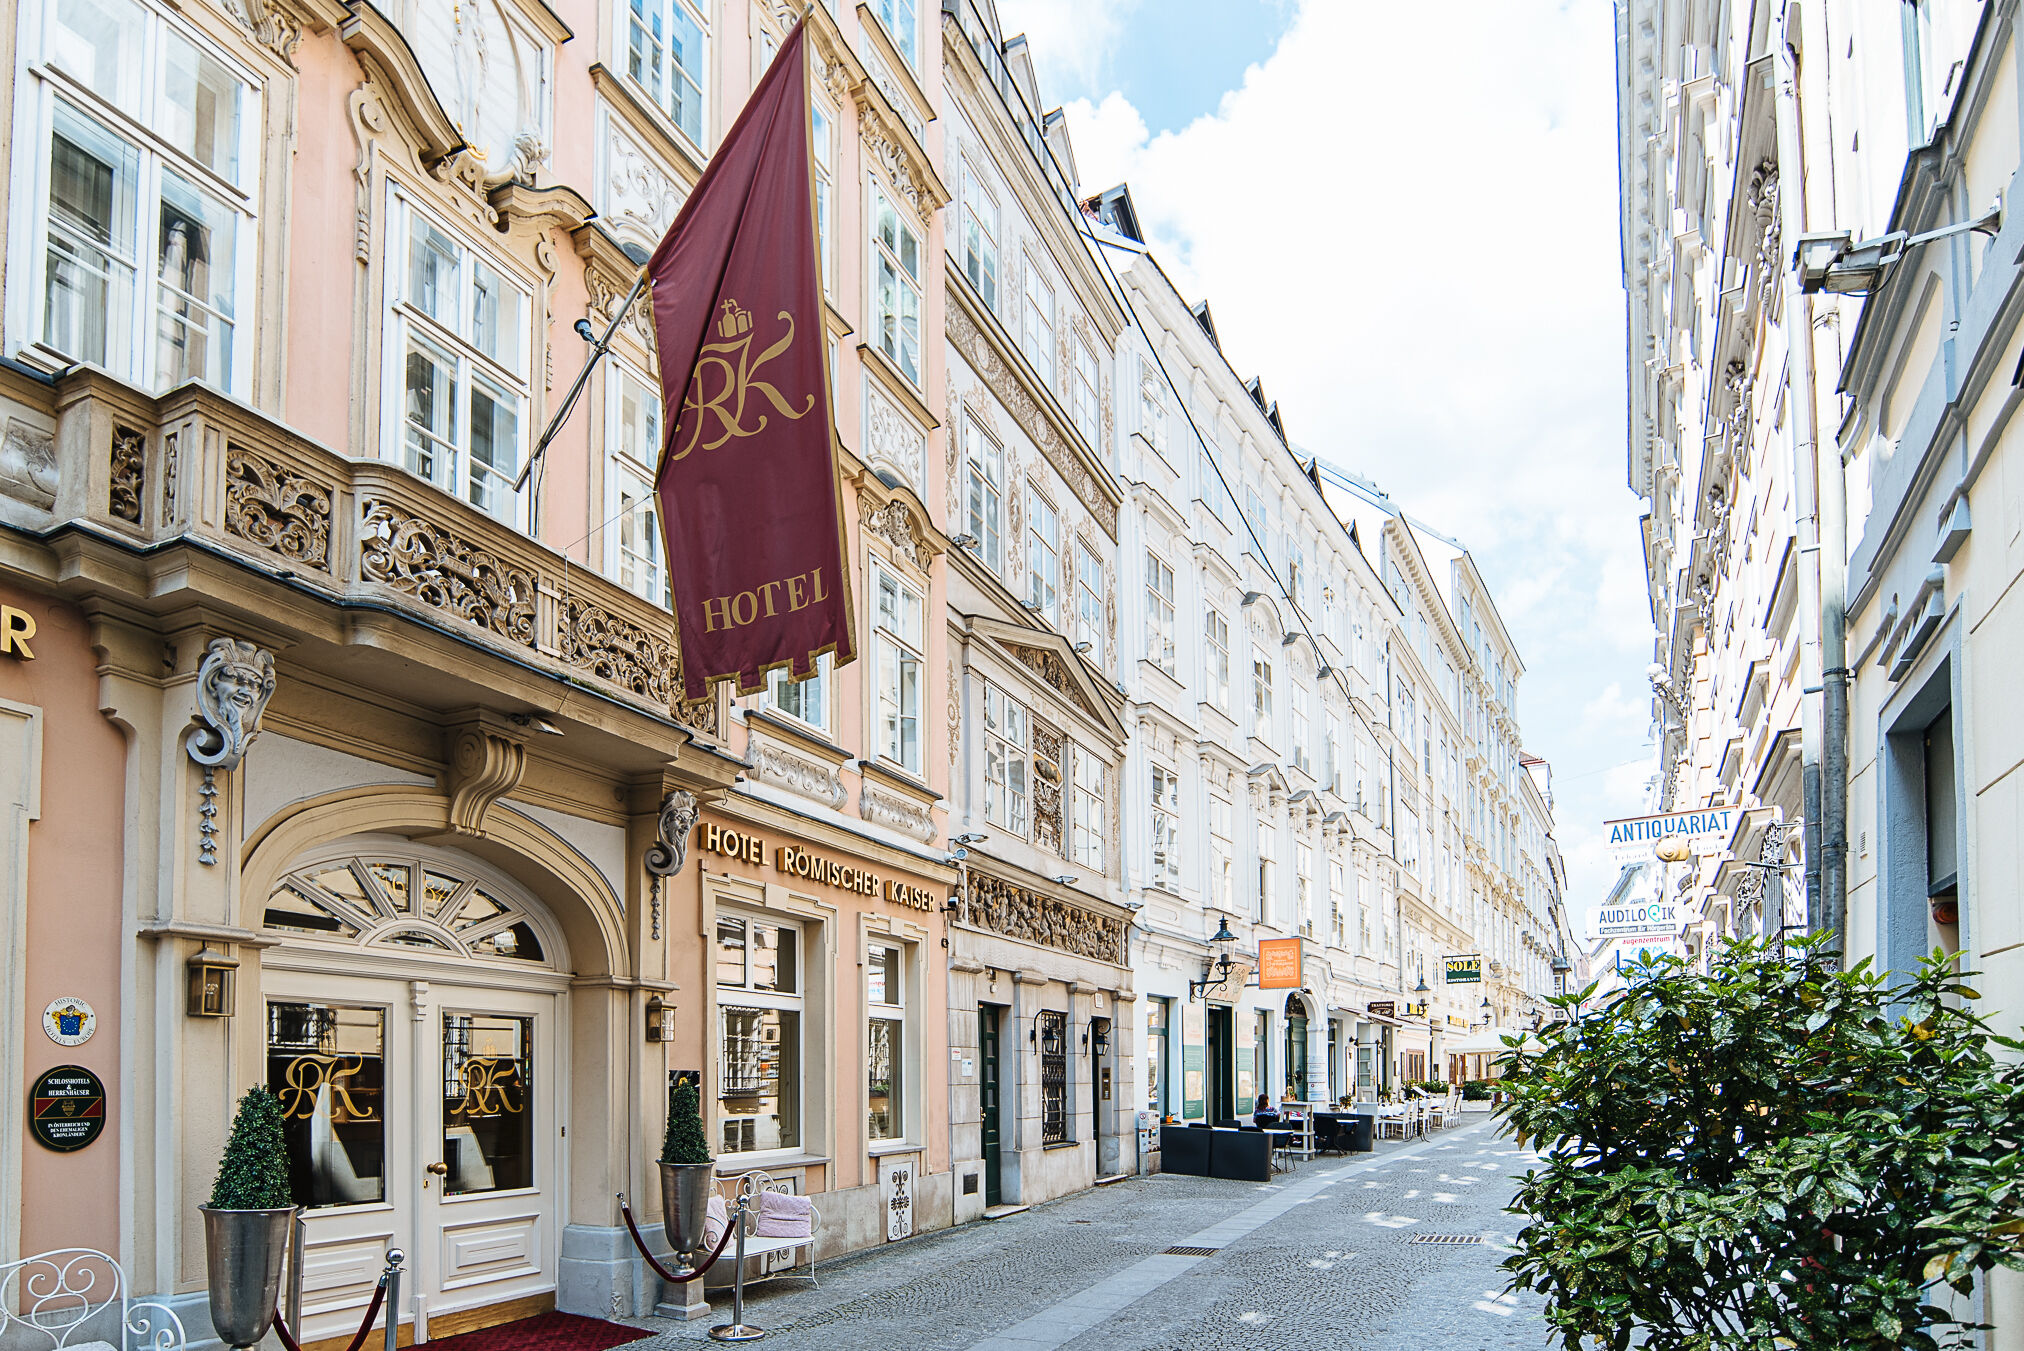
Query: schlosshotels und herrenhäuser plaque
x,y
748,480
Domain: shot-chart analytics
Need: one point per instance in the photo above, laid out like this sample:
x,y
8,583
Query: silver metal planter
x,y
244,1251
685,1194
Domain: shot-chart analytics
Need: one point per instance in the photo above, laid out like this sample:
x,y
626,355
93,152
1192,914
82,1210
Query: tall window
x,y
885,1041
1332,771
1153,413
1159,613
1166,824
633,429
667,53
822,146
902,22
759,1000
1007,759
1261,694
896,285
804,700
1216,637
1036,336
1214,496
1302,732
144,241
1043,557
1303,887
1088,810
1337,928
981,223
897,670
1089,601
1159,1017
457,336
1083,396
986,495
1268,848
1222,855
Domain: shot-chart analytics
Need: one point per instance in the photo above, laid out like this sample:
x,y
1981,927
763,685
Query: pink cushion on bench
x,y
716,1216
784,1216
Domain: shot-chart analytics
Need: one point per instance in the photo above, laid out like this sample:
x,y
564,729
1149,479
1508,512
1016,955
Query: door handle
x,y
439,1169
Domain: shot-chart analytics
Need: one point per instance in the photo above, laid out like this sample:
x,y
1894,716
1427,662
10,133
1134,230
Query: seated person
x,y
1262,1113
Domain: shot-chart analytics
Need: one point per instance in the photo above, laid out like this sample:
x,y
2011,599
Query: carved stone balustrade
x,y
196,465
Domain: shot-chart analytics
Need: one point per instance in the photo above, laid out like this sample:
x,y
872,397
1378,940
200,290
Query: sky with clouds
x,y
1405,219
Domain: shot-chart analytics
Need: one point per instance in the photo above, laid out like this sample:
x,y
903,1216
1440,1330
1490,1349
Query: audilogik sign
x,y
1637,917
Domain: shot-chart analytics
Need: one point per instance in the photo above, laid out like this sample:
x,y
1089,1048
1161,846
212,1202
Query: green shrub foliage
x,y
253,1174
1478,1090
684,1142
1774,1154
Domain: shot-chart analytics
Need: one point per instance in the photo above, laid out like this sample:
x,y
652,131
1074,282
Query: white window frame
x,y
1216,658
894,1011
1038,323
984,493
1043,556
1153,414
1222,853
1089,601
890,331
811,701
1303,886
1165,819
896,651
1268,871
822,150
902,21
1008,763
132,346
1159,613
642,572
1261,694
1089,817
1085,384
667,70
983,222
1303,756
405,320
741,997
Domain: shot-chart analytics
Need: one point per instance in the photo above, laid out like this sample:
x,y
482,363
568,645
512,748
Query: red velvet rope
x,y
379,1294
659,1270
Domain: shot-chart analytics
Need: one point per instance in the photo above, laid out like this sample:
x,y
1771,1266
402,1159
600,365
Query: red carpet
x,y
544,1332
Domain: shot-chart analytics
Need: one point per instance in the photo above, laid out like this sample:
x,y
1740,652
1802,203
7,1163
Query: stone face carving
x,y
1764,202
1007,908
276,509
129,474
896,525
895,812
665,856
617,650
234,682
775,764
983,359
1048,832
484,767
433,565
28,464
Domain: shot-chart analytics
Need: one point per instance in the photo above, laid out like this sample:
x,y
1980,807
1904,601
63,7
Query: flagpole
x,y
597,350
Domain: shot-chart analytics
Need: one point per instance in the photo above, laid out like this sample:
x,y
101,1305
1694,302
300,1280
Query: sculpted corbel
x,y
234,682
485,764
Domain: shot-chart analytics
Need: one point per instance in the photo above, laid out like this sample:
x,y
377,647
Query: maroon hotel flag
x,y
748,478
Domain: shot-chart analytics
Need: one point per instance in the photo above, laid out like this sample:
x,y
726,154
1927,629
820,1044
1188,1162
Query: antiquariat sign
x,y
1464,970
1637,917
1632,838
1279,963
798,861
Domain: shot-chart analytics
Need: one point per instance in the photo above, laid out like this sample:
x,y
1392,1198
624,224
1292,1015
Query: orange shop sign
x,y
1279,963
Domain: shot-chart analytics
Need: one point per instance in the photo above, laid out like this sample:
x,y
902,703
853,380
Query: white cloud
x,y
1072,41
1417,251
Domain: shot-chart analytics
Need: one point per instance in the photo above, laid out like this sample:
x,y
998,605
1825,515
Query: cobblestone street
x,y
1322,1257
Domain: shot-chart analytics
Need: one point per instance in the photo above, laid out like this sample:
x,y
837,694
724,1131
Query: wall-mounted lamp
x,y
1217,971
660,1019
213,976
1833,261
1253,597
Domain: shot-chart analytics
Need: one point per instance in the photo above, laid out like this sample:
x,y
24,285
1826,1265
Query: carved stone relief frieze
x,y
886,145
437,568
770,762
955,706
1764,205
1005,907
129,474
1048,829
891,438
898,526
895,812
618,650
638,197
276,508
492,72
273,25
879,73
28,464
984,359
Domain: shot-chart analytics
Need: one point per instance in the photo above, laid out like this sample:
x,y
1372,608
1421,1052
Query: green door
x,y
1222,1067
987,1043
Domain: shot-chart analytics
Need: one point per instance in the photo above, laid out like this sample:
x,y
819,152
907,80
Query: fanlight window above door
x,y
406,903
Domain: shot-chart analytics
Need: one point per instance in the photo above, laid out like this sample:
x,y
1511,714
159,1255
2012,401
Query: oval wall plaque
x,y
66,1108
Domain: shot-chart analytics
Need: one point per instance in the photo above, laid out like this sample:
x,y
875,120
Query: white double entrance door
x,y
420,1115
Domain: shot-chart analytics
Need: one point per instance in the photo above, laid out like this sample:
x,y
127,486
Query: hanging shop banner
x,y
66,1108
1656,916
1383,1008
1464,970
1279,963
1194,1061
1631,838
748,483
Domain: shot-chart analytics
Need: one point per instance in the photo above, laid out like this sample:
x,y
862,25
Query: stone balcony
x,y
195,468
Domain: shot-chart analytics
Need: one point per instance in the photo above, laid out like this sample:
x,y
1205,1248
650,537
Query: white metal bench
x,y
750,1185
76,1299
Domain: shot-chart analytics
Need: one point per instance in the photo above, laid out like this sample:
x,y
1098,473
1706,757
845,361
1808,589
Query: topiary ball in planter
x,y
246,1224
686,1172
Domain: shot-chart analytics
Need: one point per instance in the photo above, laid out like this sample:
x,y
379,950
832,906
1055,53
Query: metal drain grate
x,y
1446,1240
1191,1252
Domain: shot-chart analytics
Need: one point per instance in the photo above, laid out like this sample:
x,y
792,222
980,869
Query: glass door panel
x,y
488,1086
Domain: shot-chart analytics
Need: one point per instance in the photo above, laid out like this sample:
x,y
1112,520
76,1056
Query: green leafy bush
x,y
684,1142
253,1174
1774,1154
1439,1086
1478,1090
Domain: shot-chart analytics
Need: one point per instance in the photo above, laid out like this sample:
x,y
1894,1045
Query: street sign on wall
x,y
1659,915
1632,838
1467,969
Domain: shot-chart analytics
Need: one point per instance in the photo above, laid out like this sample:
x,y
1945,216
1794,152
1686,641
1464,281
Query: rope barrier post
x,y
738,1330
393,1280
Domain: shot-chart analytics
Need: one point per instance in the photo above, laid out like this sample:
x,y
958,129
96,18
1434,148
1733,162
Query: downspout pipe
x,y
1823,546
